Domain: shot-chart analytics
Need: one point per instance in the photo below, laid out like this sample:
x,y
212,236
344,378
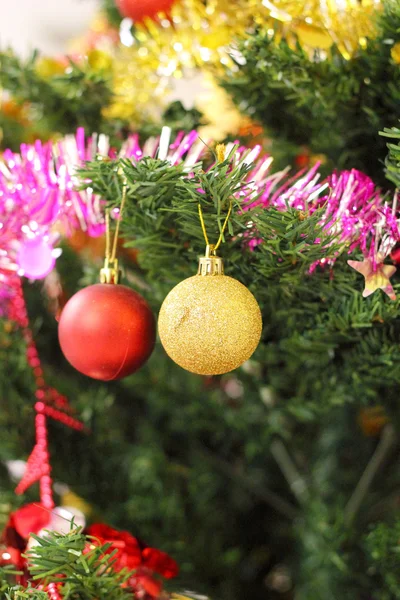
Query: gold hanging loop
x,y
110,273
214,247
211,264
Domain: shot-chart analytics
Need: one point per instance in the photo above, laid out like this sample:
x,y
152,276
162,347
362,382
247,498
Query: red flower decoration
x,y
31,518
147,563
134,555
145,585
129,554
11,556
160,562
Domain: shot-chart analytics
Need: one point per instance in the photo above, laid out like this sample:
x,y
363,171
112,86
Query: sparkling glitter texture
x,y
210,325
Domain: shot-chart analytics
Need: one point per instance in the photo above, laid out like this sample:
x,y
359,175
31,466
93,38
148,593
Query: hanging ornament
x,y
377,276
137,10
36,257
107,330
210,324
372,420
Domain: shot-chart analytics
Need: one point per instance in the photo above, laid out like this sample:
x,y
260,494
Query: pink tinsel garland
x,y
39,200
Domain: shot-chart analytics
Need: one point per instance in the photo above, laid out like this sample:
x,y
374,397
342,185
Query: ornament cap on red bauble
x,y
137,10
107,331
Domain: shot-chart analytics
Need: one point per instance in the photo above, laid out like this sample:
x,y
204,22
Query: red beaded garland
x,y
50,403
52,590
107,331
137,10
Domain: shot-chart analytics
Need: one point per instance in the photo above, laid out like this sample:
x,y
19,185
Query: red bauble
x,y
107,331
137,10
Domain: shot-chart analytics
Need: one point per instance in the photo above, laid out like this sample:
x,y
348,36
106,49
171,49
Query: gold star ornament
x,y
377,276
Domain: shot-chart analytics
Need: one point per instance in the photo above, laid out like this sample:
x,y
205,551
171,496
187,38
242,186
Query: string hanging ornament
x,y
107,330
210,323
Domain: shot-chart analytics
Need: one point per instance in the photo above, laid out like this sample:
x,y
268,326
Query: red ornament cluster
x,y
132,553
149,566
148,563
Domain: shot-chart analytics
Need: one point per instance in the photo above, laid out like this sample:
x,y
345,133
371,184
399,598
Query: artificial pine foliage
x,y
275,448
48,98
279,480
332,105
54,101
393,159
382,549
83,572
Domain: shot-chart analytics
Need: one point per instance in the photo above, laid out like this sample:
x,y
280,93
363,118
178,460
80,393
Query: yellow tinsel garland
x,y
199,32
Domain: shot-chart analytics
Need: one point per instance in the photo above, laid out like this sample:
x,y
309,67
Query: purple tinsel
x,y
38,196
353,209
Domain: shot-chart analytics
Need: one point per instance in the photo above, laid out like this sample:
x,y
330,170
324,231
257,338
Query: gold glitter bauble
x,y
210,324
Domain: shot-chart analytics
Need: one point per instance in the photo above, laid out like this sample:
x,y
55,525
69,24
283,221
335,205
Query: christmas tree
x,y
260,459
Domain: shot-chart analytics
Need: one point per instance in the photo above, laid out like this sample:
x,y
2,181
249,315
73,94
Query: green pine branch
x,y
59,103
28,593
84,571
62,102
112,13
320,320
332,105
392,162
7,574
382,551
162,213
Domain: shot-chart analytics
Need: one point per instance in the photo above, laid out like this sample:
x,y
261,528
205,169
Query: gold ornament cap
x,y
210,264
110,273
